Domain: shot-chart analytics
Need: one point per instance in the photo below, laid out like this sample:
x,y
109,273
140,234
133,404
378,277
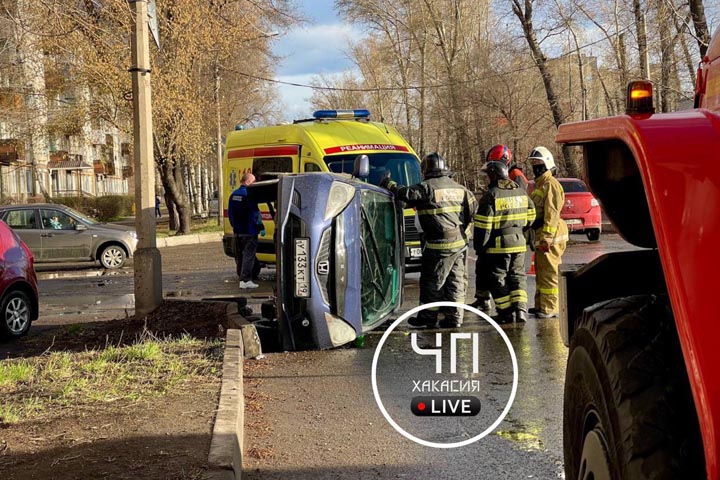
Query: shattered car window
x,y
380,276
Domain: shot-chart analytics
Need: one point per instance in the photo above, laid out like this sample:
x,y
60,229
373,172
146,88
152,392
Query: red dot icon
x,y
421,406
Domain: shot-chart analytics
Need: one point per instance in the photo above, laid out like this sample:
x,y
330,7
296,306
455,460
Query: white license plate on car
x,y
573,221
302,269
416,252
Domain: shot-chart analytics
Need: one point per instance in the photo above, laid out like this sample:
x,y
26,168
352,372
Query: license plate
x,y
573,221
416,252
300,261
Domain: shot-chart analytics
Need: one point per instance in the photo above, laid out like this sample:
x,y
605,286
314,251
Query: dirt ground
x,y
166,437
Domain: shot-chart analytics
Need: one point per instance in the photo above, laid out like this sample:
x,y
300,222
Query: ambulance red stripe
x,y
264,152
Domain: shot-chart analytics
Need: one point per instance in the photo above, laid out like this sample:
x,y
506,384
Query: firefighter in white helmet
x,y
551,233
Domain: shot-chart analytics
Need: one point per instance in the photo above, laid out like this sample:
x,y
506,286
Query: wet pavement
x,y
319,418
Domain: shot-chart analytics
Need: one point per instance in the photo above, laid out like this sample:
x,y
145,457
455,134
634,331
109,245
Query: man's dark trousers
x,y
245,250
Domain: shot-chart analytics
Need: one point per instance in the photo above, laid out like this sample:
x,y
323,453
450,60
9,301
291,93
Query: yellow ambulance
x,y
328,142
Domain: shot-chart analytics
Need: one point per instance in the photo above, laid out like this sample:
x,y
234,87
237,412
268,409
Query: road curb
x,y
198,238
226,446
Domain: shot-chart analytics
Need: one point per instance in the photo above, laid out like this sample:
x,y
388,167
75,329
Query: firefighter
x,y
551,233
445,211
498,153
501,153
504,213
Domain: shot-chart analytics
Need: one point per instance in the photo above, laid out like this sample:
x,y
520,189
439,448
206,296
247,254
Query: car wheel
x,y
628,410
593,234
113,256
16,311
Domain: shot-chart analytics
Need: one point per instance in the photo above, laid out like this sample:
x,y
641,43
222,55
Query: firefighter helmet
x,y
500,153
496,170
542,156
433,164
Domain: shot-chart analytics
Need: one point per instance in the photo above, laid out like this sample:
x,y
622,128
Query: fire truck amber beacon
x,y
404,432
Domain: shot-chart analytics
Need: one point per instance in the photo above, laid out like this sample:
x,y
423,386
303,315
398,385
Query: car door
x,y
26,223
60,239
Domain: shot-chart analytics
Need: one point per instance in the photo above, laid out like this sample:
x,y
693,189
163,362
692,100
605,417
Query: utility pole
x,y
148,269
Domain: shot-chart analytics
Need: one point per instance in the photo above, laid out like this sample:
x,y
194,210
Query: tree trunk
x,y
687,56
641,39
701,29
175,193
667,57
525,17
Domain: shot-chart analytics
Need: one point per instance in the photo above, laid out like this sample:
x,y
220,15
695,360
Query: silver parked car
x,y
56,233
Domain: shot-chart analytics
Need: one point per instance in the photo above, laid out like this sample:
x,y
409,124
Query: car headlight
x,y
594,202
133,234
341,194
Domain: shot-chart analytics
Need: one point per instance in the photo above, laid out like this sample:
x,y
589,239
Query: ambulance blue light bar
x,y
322,114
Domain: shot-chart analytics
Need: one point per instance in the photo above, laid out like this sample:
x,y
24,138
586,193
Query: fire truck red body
x,y
657,177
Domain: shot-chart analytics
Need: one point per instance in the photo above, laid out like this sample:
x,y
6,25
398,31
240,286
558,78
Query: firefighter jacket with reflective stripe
x,y
549,199
504,211
445,210
516,175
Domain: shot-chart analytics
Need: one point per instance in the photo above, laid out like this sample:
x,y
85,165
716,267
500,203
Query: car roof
x,y
27,206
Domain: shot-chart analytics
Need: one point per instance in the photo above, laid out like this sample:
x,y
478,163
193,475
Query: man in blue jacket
x,y
246,221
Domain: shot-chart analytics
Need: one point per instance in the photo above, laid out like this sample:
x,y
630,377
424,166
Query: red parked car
x,y
581,211
18,285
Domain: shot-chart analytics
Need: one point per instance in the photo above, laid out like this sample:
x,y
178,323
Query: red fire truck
x,y
642,388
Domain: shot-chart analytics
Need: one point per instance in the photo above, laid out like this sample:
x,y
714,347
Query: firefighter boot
x,y
521,316
504,316
450,323
417,322
482,304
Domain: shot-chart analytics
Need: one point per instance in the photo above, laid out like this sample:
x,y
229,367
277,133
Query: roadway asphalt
x,y
316,417
319,418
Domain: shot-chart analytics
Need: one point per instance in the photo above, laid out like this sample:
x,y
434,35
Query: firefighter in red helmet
x,y
503,154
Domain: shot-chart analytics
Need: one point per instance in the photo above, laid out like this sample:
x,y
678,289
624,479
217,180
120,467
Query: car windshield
x,y
404,168
380,277
82,217
573,186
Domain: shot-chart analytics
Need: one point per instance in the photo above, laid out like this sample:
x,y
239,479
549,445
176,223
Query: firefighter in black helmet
x,y
445,211
504,211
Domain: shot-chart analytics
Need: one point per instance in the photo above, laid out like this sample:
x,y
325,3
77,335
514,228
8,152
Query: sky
x,y
315,48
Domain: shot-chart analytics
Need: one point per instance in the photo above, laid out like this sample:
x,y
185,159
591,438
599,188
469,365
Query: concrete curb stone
x,y
189,239
226,445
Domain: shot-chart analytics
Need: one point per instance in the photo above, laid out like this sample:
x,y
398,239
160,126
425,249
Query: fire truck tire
x,y
628,410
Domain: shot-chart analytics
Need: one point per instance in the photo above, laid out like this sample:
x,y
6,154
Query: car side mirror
x,y
80,226
361,168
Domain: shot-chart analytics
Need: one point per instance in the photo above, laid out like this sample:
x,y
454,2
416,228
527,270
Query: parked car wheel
x,y
593,234
628,410
112,257
16,313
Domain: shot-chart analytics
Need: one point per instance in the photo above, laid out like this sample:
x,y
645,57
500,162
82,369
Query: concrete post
x,y
148,269
219,152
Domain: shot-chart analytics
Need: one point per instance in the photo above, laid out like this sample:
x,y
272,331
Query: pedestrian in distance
x,y
157,207
505,211
551,232
445,210
246,222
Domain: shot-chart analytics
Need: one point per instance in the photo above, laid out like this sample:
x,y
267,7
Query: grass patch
x,y
32,387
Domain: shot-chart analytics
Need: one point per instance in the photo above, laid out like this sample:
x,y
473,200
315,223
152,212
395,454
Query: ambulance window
x,y
312,167
268,165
